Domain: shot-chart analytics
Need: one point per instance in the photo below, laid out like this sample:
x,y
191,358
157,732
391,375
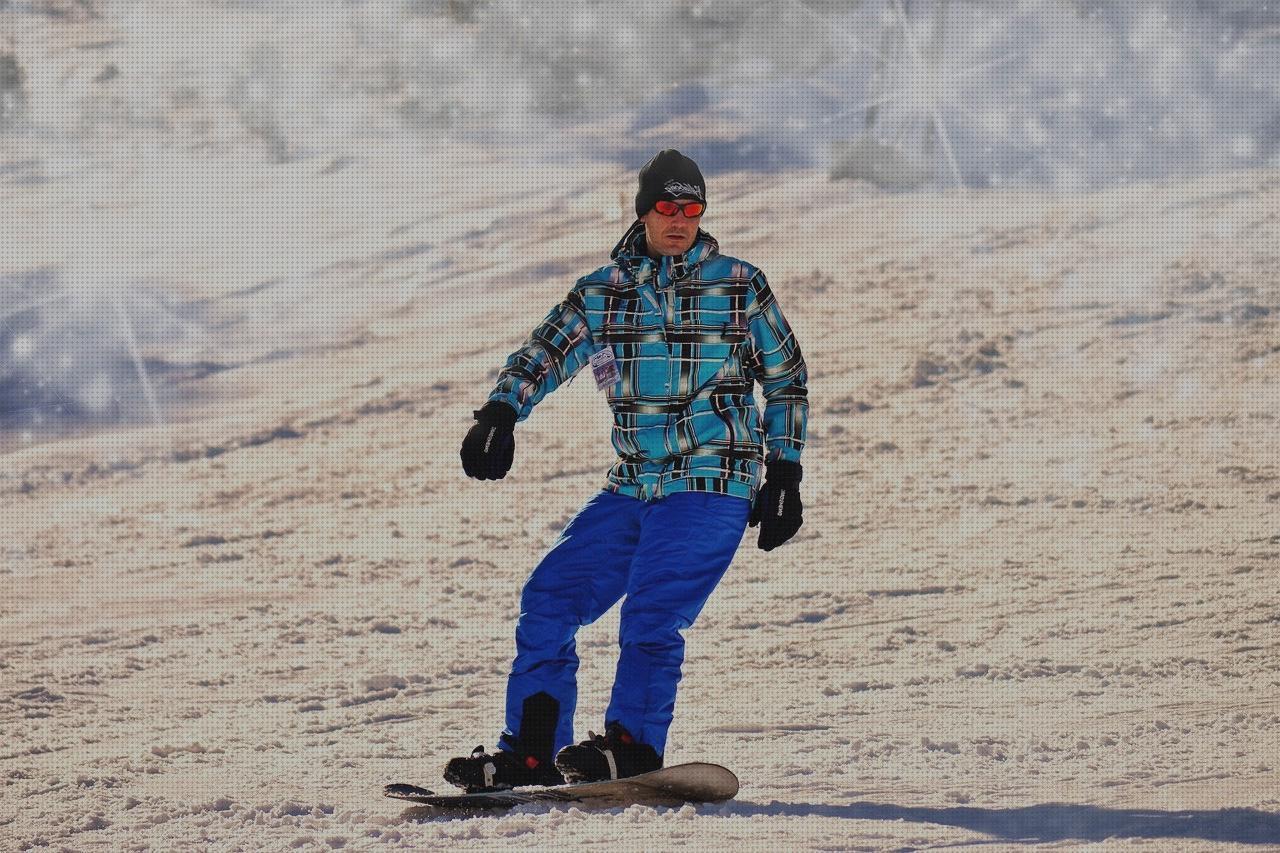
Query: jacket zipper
x,y
653,302
668,321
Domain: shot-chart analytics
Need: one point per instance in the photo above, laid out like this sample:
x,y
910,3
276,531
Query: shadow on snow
x,y
1051,821
1030,824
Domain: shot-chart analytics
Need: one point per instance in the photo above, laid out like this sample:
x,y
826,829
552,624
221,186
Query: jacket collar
x,y
631,252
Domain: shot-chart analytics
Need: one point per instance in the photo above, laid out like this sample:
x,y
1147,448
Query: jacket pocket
x,y
733,333
625,445
719,357
642,438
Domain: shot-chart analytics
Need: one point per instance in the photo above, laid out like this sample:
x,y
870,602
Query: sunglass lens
x,y
691,209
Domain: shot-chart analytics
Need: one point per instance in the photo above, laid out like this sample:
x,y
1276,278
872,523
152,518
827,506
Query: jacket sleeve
x,y
555,350
776,362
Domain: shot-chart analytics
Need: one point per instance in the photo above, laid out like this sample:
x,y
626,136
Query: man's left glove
x,y
777,508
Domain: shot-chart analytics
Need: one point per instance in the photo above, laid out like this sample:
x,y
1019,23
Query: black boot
x,y
484,772
527,761
613,755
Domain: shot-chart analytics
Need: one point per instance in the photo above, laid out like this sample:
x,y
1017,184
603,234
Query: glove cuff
x,y
781,470
496,413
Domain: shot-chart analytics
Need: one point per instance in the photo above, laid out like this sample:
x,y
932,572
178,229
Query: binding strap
x,y
613,765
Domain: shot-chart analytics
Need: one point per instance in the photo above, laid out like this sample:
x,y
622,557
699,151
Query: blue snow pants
x,y
666,556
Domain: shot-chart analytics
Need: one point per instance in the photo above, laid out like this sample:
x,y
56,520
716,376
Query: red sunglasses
x,y
691,209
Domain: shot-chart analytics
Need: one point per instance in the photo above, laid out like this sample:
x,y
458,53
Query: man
x,y
675,335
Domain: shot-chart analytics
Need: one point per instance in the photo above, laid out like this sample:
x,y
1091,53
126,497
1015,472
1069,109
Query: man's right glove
x,y
777,508
490,445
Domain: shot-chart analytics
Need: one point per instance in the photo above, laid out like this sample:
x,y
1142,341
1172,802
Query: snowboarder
x,y
675,334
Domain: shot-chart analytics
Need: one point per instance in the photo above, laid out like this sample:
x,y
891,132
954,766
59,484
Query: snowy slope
x,y
1034,599
1034,596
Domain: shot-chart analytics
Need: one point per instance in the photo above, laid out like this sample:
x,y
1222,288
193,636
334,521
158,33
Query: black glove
x,y
490,445
777,508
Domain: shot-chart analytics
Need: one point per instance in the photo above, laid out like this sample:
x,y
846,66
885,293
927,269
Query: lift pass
x,y
605,368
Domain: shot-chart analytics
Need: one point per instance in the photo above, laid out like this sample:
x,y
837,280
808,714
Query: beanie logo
x,y
679,188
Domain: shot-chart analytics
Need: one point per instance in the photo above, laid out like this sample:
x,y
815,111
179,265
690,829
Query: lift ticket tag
x,y
605,368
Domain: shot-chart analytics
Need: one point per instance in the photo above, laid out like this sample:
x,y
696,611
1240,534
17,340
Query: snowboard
x,y
696,782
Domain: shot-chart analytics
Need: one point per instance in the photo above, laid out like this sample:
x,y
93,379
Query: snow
x,y
1032,594
1033,601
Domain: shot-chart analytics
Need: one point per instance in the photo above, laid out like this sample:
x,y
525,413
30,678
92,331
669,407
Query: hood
x,y
630,252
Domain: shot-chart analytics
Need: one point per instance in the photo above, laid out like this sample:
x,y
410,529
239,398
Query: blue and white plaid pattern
x,y
691,336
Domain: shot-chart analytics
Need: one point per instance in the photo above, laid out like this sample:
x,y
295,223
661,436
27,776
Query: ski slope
x,y
1033,599
245,317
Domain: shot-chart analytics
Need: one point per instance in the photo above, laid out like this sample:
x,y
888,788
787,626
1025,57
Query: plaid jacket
x,y
691,335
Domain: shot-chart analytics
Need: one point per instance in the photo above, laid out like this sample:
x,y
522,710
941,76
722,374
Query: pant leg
x,y
687,542
580,577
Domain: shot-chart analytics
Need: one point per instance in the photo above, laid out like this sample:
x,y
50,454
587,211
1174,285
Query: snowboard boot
x,y
613,755
502,770
522,759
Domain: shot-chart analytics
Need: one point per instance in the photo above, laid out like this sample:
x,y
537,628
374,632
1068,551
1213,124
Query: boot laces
x,y
612,738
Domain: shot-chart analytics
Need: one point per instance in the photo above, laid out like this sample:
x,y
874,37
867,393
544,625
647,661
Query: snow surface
x,y
1033,602
1033,599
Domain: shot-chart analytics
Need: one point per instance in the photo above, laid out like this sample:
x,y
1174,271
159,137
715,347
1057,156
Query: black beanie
x,y
669,174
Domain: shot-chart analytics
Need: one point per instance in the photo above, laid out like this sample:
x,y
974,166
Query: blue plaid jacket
x,y
691,335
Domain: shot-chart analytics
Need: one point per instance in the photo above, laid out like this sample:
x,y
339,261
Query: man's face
x,y
670,235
